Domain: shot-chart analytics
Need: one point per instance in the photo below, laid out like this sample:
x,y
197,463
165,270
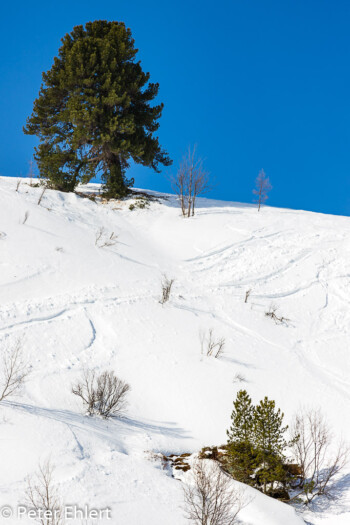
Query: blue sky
x,y
255,84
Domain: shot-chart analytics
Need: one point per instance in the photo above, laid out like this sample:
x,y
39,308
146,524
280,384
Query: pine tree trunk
x,y
114,180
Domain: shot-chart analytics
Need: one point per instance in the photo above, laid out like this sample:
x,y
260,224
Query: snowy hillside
x,y
73,304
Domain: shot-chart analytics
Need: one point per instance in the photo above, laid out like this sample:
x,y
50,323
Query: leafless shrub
x,y
211,498
104,395
211,346
42,194
43,497
319,460
190,181
262,187
14,372
18,183
239,378
166,289
273,315
26,216
104,239
247,294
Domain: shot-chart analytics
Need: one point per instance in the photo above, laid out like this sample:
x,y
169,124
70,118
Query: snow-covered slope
x,y
72,305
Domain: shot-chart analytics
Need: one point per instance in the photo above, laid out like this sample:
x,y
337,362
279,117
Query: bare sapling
x,y
14,372
18,183
103,394
42,495
210,496
211,346
190,181
239,378
104,239
319,458
262,187
167,285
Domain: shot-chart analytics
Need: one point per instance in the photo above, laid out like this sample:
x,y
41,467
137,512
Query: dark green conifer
x,y
93,112
242,419
269,442
240,439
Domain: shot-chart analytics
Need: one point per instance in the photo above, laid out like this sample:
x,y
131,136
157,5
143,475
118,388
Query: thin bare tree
x,y
319,460
211,498
31,173
210,346
14,372
262,187
43,497
190,181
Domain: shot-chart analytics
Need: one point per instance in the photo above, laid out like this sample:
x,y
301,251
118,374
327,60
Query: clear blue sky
x,y
255,83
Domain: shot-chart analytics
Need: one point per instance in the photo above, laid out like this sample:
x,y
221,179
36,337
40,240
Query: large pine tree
x,y
93,112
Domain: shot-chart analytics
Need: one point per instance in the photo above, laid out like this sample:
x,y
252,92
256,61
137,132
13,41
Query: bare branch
x,y
272,313
166,289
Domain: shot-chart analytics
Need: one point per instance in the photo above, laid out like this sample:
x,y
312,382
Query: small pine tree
x,y
242,419
240,439
269,441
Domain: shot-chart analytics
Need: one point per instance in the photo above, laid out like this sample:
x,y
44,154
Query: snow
x,y
73,305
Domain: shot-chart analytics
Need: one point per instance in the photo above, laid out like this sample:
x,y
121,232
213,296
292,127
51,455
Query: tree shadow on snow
x,y
334,505
111,429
